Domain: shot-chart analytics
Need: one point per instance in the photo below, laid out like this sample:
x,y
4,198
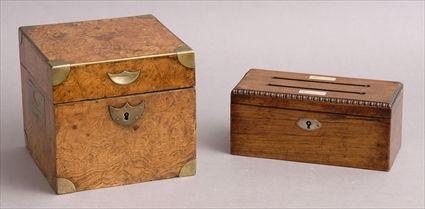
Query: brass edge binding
x,y
122,59
184,53
247,92
60,71
189,169
186,56
64,186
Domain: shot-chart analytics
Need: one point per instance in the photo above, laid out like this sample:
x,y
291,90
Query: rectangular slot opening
x,y
318,81
318,89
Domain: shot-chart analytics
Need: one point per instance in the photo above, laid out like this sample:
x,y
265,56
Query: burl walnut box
x,y
317,119
108,102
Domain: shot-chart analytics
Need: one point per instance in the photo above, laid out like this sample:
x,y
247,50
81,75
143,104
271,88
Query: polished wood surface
x,y
100,40
36,64
39,129
110,46
354,134
396,127
69,130
342,140
340,100
92,81
343,88
94,152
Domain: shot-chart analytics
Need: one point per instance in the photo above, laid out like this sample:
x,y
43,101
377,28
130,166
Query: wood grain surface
x,y
39,128
376,101
396,127
360,119
92,81
69,131
93,151
36,64
342,87
99,40
342,140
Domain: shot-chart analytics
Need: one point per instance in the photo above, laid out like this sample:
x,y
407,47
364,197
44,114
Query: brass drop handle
x,y
126,115
124,77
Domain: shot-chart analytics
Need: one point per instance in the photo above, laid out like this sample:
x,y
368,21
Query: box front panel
x,y
96,81
124,140
304,136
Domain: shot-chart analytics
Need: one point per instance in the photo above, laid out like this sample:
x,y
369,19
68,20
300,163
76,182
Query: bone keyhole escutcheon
x,y
309,124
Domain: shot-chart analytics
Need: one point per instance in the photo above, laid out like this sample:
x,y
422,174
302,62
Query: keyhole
x,y
308,123
126,116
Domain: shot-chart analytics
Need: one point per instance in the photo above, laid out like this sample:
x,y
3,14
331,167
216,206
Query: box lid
x,y
352,96
103,40
138,54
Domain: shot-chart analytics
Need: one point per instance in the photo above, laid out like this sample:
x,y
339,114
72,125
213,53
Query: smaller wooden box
x,y
317,119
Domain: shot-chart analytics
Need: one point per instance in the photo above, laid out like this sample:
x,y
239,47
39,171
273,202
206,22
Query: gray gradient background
x,y
379,40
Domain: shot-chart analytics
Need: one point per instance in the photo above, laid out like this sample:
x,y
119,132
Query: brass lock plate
x,y
309,124
126,115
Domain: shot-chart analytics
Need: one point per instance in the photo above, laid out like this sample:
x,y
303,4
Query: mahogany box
x,y
108,102
317,119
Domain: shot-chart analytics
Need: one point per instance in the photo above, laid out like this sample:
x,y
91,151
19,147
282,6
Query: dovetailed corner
x,y
186,56
189,169
64,186
60,71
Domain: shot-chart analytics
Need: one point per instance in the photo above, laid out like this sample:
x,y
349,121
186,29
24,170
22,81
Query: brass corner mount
x,y
189,169
64,186
60,71
186,56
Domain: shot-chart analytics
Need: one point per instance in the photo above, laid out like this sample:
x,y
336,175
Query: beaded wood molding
x,y
248,92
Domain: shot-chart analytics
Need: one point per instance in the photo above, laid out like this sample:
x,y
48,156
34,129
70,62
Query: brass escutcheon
x,y
126,115
124,77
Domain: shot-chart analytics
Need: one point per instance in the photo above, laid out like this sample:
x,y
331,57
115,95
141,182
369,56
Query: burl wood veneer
x,y
93,152
108,102
317,119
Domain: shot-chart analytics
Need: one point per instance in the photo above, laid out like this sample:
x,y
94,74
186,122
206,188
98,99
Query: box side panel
x,y
109,79
396,127
341,140
94,151
36,64
39,126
